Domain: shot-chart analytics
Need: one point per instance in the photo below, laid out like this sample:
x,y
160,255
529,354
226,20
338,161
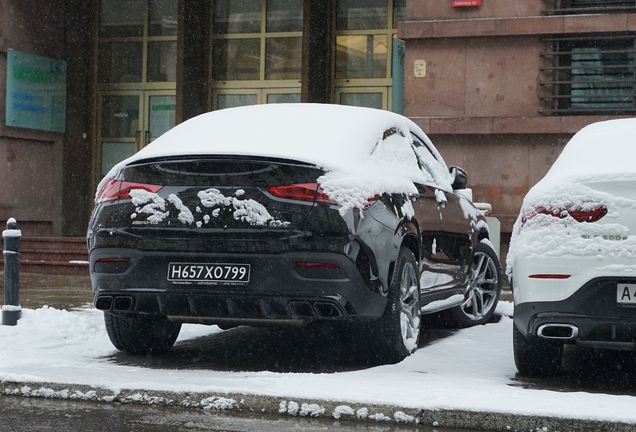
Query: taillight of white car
x,y
584,213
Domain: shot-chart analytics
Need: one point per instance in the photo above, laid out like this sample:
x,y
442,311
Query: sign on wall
x,y
465,3
36,92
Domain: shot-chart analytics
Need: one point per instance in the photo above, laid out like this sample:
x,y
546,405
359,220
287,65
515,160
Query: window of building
x,y
256,51
136,77
561,7
137,41
364,33
589,76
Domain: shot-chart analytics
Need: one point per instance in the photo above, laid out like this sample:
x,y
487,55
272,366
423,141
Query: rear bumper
x,y
591,313
278,291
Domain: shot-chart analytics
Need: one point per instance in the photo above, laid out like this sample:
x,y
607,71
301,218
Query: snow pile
x,y
365,152
72,348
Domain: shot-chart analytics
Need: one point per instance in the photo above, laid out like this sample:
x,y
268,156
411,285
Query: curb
x,y
247,403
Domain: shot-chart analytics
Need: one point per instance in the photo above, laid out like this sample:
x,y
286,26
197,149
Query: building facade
x,y
499,86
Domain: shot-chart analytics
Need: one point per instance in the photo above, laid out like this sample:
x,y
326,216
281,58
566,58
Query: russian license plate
x,y
626,293
208,274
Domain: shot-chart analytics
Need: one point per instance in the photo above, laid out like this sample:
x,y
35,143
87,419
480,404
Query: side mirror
x,y
460,178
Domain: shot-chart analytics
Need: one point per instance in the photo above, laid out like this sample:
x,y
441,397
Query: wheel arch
x,y
407,235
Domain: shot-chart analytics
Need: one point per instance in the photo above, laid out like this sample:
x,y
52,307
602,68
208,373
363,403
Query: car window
x,y
429,161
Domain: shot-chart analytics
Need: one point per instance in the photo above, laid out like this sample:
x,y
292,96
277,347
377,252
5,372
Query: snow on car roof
x,y
350,143
601,151
325,135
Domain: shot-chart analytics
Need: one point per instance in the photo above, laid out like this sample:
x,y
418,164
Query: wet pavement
x,y
58,291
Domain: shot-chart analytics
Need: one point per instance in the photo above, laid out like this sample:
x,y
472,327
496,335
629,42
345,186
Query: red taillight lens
x,y
308,192
303,192
113,260
592,215
120,190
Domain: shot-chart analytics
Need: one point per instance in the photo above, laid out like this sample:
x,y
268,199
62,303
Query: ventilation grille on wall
x,y
588,76
563,7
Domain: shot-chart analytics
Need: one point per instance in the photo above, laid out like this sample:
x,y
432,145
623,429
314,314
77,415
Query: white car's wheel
x,y
536,357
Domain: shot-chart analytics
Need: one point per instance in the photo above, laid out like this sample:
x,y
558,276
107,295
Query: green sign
x,y
36,92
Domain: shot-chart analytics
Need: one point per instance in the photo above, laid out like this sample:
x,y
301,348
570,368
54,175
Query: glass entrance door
x,y
130,120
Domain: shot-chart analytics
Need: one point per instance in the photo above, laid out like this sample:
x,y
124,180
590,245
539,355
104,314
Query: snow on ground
x,y
471,370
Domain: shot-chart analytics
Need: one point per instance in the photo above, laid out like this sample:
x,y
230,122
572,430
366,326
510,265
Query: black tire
x,y
141,334
483,288
399,327
536,357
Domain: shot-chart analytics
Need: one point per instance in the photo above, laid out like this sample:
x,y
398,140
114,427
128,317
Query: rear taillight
x,y
113,260
120,190
302,192
591,215
309,192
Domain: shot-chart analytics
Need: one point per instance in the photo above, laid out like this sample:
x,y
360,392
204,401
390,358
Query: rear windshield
x,y
221,172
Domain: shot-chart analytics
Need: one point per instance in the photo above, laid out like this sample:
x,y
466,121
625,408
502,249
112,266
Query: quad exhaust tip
x,y
558,331
117,304
305,309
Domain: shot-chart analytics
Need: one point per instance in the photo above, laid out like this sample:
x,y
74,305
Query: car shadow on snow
x,y
319,349
589,370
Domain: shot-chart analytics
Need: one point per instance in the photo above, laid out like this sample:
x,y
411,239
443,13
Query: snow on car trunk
x,y
586,203
216,194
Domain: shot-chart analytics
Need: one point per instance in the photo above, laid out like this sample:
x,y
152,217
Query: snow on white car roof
x,y
348,142
601,151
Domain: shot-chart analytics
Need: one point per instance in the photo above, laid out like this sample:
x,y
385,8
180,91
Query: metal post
x,y
11,310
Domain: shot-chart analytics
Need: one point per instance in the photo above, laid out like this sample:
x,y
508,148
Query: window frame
x,y
574,7
560,77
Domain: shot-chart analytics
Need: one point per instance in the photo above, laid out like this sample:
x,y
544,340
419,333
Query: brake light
x,y
302,192
113,260
120,190
591,215
588,216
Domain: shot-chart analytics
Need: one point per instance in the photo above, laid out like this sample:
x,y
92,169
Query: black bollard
x,y
11,310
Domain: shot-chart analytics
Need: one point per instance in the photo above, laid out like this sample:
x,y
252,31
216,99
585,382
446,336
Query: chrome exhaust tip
x,y
558,331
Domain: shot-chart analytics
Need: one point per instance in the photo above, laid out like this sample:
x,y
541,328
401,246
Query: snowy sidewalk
x,y
457,380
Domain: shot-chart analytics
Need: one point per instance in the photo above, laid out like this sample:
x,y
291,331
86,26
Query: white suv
x,y
572,259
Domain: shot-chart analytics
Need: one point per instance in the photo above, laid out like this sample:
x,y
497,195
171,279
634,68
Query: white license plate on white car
x,y
626,293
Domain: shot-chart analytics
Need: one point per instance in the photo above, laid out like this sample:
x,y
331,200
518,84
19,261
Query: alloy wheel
x,y
409,304
482,289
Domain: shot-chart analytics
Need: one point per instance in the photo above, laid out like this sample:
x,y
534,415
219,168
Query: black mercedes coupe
x,y
289,214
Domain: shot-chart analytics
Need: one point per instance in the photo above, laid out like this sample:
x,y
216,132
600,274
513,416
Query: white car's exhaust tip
x,y
558,331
